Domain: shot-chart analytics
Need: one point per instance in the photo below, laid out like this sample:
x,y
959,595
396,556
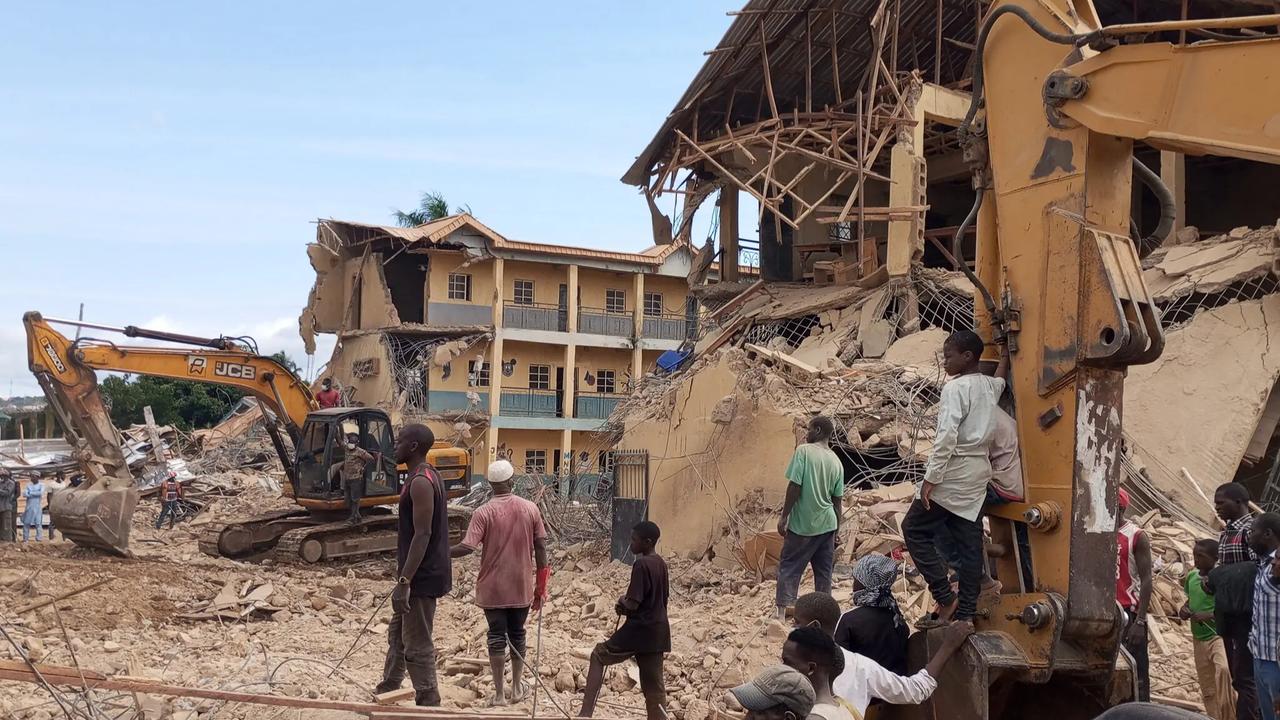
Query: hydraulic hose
x,y
1168,209
987,299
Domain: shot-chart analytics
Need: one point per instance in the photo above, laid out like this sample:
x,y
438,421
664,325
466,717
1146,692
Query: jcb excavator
x,y
1058,101
97,514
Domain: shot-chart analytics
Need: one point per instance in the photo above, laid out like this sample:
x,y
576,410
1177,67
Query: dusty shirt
x,y
353,464
818,472
1006,462
646,629
864,679
960,464
505,527
328,398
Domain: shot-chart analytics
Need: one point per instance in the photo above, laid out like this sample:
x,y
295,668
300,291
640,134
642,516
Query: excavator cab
x,y
322,450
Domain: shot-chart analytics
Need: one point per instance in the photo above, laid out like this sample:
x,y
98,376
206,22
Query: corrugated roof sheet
x,y
437,231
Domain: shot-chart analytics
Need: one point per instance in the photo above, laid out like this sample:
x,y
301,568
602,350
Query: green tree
x,y
181,403
432,206
283,358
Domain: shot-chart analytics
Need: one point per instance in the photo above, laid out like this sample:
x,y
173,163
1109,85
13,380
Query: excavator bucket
x,y
96,518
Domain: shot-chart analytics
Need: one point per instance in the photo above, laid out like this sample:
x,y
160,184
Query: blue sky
x,y
163,162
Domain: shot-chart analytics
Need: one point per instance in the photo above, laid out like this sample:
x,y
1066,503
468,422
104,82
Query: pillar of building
x,y
495,361
906,189
1173,171
729,234
637,355
567,461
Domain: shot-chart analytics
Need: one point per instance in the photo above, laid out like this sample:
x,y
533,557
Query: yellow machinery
x,y
98,513
1059,279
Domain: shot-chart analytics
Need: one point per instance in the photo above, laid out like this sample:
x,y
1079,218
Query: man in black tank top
x,y
423,570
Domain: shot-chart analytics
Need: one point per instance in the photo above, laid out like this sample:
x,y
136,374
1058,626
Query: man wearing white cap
x,y
509,532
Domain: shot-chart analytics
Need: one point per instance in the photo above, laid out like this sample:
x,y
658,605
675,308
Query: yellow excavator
x,y
98,513
1058,101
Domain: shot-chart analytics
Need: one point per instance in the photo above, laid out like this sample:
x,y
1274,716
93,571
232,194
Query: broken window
x,y
605,461
539,377
606,381
535,462
460,286
615,301
653,304
478,374
365,368
523,294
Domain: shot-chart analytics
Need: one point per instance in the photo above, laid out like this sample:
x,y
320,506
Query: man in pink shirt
x,y
509,532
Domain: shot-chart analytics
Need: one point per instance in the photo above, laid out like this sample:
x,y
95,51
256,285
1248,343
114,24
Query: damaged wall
x,y
376,308
362,364
698,470
325,305
1197,406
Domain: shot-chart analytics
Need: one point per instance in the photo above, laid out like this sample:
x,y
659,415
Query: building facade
x,y
513,348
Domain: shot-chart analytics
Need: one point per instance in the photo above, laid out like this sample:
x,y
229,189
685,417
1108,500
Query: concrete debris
x,y
238,601
1210,266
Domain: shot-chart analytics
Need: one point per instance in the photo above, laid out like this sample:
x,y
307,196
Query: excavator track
x,y
374,534
247,537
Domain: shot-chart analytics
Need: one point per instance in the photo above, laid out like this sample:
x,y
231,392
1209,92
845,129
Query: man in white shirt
x,y
863,679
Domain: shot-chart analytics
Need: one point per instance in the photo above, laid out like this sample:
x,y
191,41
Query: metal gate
x,y
630,499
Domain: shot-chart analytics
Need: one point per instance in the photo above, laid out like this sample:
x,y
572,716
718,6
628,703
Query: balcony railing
x,y
598,321
669,326
529,403
539,316
597,406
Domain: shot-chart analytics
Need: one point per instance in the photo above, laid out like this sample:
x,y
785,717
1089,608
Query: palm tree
x,y
432,206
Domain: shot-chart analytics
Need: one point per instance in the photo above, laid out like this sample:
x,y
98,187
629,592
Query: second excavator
x,y
98,513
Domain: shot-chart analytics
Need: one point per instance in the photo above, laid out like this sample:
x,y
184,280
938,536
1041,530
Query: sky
x,y
164,163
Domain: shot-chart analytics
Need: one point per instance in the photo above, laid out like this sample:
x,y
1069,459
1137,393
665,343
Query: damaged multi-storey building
x,y
837,122
513,348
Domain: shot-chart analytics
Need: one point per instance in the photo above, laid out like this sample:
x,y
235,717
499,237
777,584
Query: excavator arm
x,y
1060,281
98,512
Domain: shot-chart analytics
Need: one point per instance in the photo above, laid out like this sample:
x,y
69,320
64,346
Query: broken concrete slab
x,y
919,351
1210,265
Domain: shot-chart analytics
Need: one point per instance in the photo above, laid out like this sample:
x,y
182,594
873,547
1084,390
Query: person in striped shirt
x,y
1264,637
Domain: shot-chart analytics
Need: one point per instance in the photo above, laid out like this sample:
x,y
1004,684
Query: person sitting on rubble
x,y
646,634
777,693
864,678
351,472
950,499
875,626
818,658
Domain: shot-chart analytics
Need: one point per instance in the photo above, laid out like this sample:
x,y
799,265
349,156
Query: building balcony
x,y
598,321
529,403
539,316
598,406
669,326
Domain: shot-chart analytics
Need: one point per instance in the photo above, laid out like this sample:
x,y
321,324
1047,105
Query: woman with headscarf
x,y
875,627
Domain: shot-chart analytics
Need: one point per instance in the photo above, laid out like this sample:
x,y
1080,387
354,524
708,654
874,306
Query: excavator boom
x,y
98,513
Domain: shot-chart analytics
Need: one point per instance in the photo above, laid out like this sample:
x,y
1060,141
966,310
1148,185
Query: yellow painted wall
x,y
526,354
517,441
594,358
546,280
592,284
592,444
376,307
674,291
442,262
457,379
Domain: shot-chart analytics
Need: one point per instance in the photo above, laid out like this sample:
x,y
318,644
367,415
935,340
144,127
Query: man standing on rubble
x,y
328,397
1231,584
810,522
8,507
423,570
170,494
510,531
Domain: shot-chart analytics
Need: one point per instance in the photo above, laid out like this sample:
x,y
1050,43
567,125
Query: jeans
x,y
1141,659
169,509
506,627
798,552
410,646
1240,662
920,529
355,491
1266,673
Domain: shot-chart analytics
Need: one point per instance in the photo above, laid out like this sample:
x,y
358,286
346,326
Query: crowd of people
x,y
36,493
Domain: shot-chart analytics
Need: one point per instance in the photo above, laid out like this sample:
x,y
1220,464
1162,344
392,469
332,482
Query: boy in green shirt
x,y
810,522
1208,649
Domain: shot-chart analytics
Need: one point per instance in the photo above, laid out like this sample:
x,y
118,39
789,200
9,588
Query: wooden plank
x,y
58,598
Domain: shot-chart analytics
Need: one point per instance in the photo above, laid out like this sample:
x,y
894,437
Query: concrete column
x,y
495,357
497,292
570,379
637,310
573,298
729,234
567,461
906,188
1173,171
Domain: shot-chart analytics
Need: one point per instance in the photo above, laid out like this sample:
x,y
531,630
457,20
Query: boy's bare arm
x,y
1002,367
